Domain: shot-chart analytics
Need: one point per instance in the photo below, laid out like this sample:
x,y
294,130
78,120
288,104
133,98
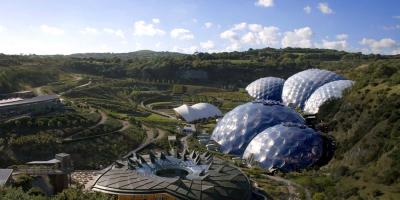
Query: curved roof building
x,y
325,93
286,147
268,88
236,129
197,112
298,88
190,176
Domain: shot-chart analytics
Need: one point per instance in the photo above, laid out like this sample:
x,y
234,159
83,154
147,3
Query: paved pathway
x,y
103,120
185,142
149,139
79,86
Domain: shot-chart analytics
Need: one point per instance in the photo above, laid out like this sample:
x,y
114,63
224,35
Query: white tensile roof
x,y
198,111
10,100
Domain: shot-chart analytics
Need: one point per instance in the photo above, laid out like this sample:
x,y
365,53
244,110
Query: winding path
x,y
103,120
125,125
79,86
149,139
185,142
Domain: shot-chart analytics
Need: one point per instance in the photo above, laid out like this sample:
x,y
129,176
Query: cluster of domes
x,y
306,90
269,131
236,129
299,87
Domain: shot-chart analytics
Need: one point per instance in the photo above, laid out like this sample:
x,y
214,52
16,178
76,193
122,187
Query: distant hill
x,y
126,56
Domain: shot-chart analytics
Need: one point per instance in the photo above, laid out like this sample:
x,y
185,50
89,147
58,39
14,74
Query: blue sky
x,y
64,27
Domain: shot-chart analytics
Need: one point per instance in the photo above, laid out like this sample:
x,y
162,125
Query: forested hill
x,y
238,68
125,56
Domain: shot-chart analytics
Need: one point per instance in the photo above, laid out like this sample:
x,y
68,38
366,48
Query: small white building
x,y
197,112
189,128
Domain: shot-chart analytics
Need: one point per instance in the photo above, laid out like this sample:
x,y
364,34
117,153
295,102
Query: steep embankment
x,y
366,125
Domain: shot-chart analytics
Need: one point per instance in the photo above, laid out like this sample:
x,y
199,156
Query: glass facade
x,y
236,129
268,88
325,93
286,147
298,88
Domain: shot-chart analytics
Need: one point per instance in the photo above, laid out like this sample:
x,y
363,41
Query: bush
x,y
319,196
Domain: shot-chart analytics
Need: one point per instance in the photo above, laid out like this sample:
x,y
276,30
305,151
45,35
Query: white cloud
x,y
379,46
228,34
269,35
342,36
207,45
392,27
89,31
249,38
255,27
260,35
338,44
240,26
396,51
181,34
141,28
396,17
155,20
116,32
51,30
188,50
242,34
324,8
298,38
2,28
265,3
307,9
208,24
234,46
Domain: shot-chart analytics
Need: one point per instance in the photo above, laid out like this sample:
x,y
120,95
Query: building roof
x,y
298,88
329,91
268,88
10,100
5,175
171,137
243,123
31,100
46,162
205,177
286,147
197,111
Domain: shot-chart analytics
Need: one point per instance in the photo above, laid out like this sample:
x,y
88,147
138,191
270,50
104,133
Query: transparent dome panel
x,y
299,87
268,88
235,130
286,147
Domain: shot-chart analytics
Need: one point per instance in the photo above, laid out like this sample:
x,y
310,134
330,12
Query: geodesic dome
x,y
235,130
298,88
286,147
268,88
329,91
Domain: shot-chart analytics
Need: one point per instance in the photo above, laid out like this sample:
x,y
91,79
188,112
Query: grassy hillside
x,y
366,126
